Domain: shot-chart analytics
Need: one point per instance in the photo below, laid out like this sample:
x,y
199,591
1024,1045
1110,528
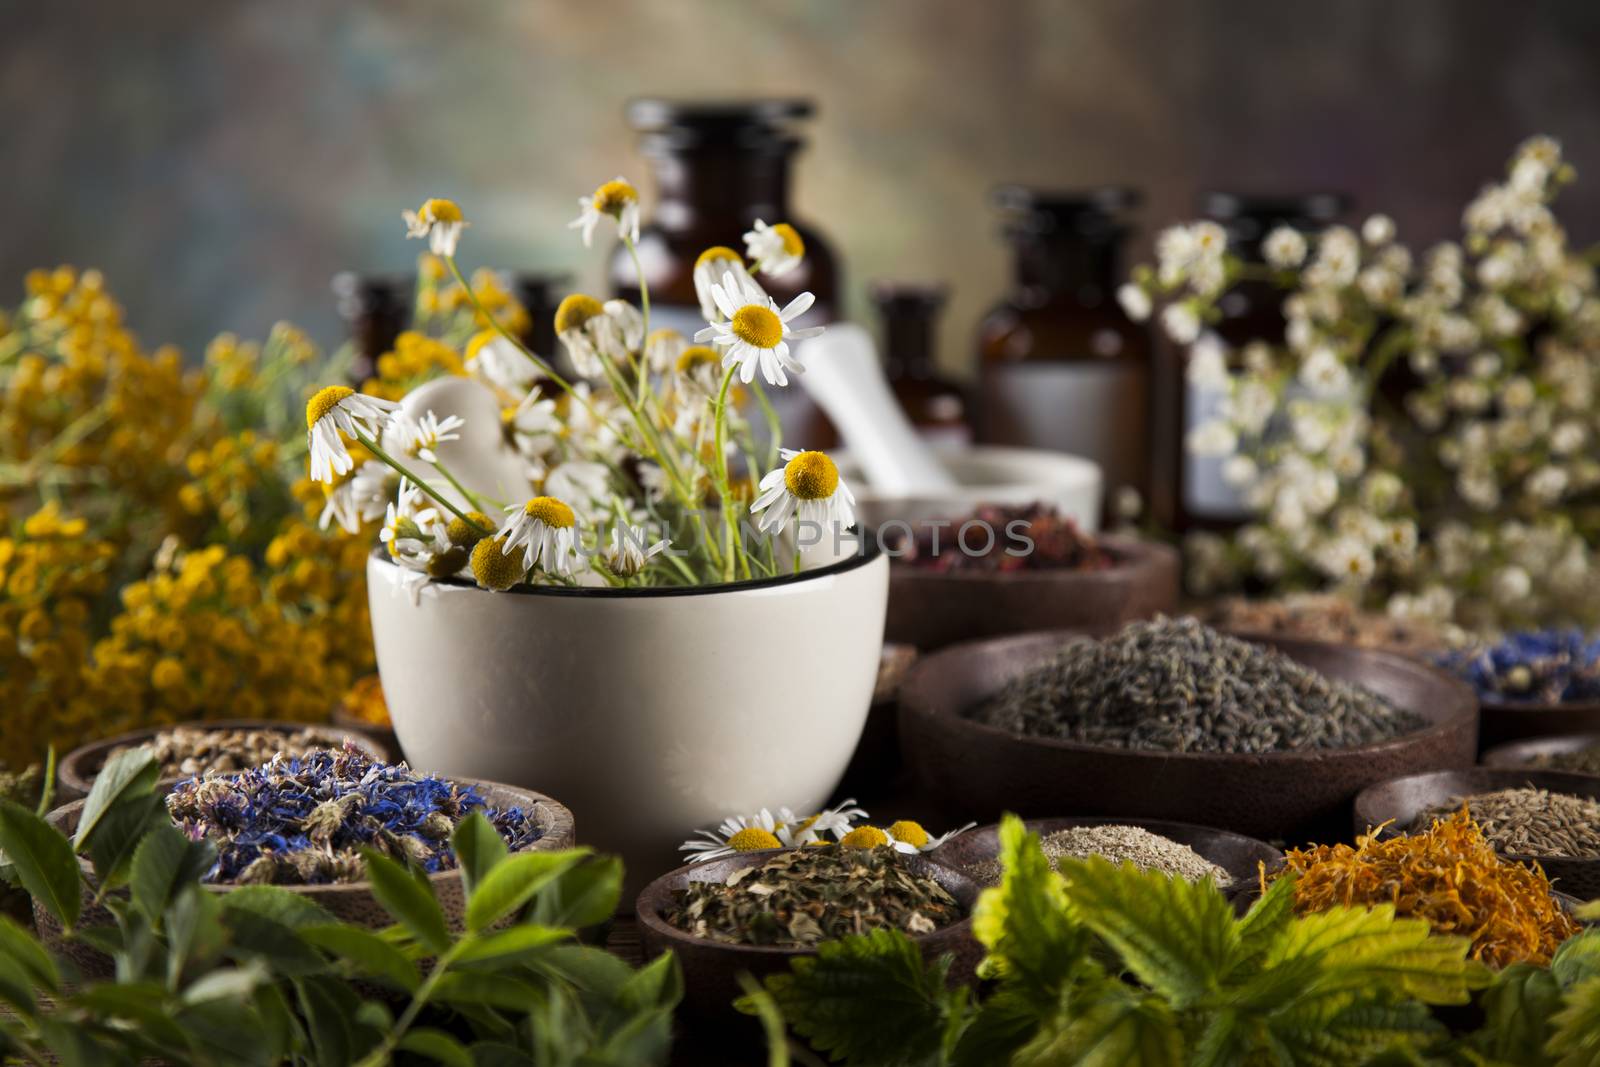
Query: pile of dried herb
x,y
1328,617
819,893
1179,686
303,820
1579,761
1033,537
1535,667
1448,874
1529,821
1117,843
190,750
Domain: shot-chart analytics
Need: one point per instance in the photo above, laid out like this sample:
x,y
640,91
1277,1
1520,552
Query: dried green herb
x,y
819,893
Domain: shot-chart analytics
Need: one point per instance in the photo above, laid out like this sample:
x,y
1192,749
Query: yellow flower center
x,y
697,356
791,239
864,837
752,839
550,511
759,326
811,476
719,254
463,534
910,832
613,196
325,401
576,310
493,568
437,209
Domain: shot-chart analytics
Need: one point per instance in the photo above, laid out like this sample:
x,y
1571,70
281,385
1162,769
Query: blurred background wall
x,y
221,160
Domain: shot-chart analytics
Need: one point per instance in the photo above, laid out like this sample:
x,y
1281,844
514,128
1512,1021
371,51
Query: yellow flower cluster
x,y
51,577
228,478
416,358
440,297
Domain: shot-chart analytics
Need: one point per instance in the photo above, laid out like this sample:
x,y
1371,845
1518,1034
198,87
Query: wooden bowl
x,y
979,771
351,902
1522,753
1507,721
1240,856
1403,799
76,772
932,609
711,969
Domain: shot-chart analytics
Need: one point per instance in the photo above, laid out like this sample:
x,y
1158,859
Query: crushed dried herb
x,y
1580,761
1448,874
189,750
1328,617
818,893
1117,843
304,820
1530,822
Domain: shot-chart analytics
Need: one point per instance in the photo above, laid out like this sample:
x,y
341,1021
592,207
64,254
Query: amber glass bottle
x,y
1252,310
909,313
375,308
717,168
1061,366
540,293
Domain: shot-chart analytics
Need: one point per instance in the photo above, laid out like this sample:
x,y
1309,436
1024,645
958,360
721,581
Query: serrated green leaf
x,y
1337,1030
43,860
293,910
586,895
20,946
163,861
508,945
1577,959
1004,1023
1116,1028
371,954
478,847
1177,937
437,1045
1575,1037
591,970
410,902
116,837
866,999
127,774
1024,923
513,882
1357,947
1517,1011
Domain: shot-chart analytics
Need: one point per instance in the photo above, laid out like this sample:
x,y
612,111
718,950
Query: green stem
x,y
644,310
466,494
417,481
724,486
380,1056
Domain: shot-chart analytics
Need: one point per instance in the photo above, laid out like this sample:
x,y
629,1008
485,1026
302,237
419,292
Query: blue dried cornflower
x,y
1535,667
304,819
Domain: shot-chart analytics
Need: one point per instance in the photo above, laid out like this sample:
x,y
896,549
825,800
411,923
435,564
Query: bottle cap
x,y
1094,212
1249,217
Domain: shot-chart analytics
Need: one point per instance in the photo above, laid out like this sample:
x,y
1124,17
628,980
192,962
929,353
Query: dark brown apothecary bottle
x,y
936,406
375,309
1061,366
1252,310
540,293
717,168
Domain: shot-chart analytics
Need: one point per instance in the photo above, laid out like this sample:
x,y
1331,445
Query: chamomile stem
x,y
644,307
419,1000
466,494
724,486
377,450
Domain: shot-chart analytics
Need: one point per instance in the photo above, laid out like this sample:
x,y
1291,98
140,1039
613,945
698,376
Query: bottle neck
x,y
720,186
1074,268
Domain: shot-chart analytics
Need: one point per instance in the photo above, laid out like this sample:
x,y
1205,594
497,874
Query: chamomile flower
x,y
430,431
592,333
361,498
337,410
709,269
582,483
496,362
774,249
414,534
807,485
739,833
865,837
756,334
814,828
440,221
697,371
908,836
534,425
662,349
627,553
546,530
616,199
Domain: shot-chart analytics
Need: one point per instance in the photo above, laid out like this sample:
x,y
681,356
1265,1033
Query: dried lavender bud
x,y
304,820
1178,686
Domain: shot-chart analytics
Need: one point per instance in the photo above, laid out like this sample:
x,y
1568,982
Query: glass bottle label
x,y
1097,410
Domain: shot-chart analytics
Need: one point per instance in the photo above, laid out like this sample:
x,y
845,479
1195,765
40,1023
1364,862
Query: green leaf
x,y
478,847
590,970
16,988
1576,1040
513,882
512,943
764,1006
293,910
142,1003
371,954
194,930
493,990
409,901
1004,1024
44,861
165,860
658,984
1589,912
865,999
329,1008
19,945
1024,923
1357,948
437,1046
1577,959
1176,936
499,1054
232,983
117,836
586,895
1115,1027
1517,1011
125,775
73,1045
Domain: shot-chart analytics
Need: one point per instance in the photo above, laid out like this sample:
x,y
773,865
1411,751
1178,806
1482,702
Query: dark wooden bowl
x,y
351,902
1522,753
711,969
1403,799
1507,721
1240,856
979,771
76,772
932,609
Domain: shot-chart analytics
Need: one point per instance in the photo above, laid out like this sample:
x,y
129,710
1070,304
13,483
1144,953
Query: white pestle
x,y
845,377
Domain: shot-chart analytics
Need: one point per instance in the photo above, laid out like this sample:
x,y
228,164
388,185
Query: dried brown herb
x,y
1530,822
817,893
